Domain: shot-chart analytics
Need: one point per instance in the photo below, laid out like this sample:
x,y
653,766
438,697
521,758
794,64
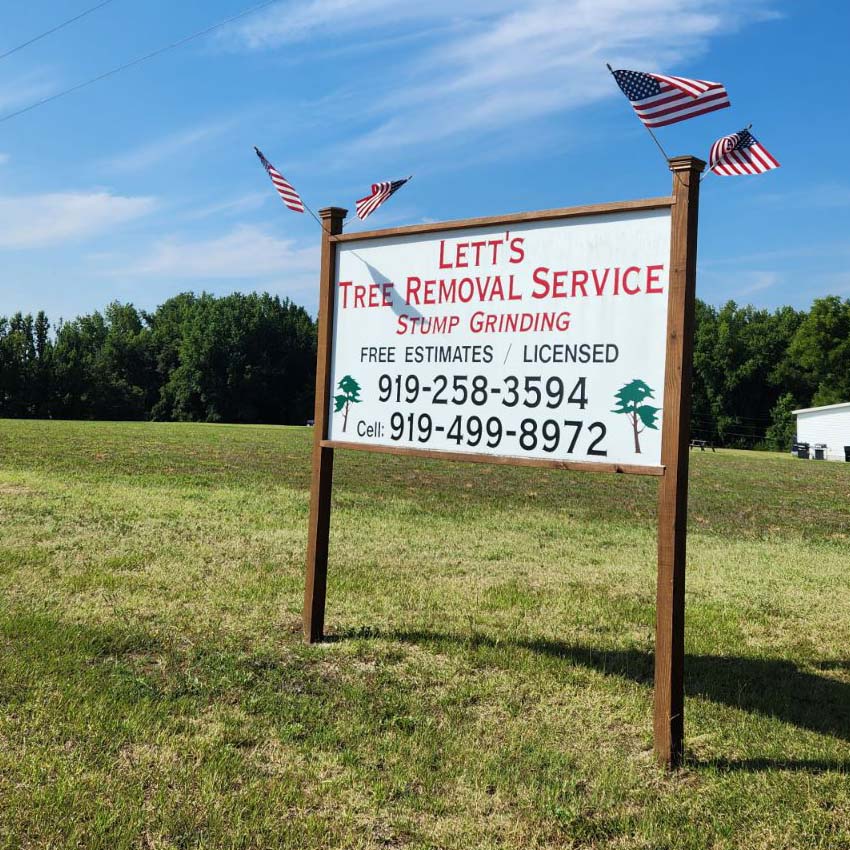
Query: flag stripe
x,y
380,193
671,105
693,87
693,113
284,188
739,154
660,99
682,109
768,159
668,96
738,163
664,101
754,162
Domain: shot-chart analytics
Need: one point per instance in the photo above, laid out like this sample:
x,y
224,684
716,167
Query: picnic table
x,y
701,445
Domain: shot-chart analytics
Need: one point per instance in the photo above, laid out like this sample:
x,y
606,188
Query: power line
x,y
703,429
713,423
137,61
725,432
56,28
710,415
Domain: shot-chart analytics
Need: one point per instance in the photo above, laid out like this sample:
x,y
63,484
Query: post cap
x,y
332,212
686,163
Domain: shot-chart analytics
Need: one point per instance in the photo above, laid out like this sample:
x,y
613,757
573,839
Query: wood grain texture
x,y
515,218
318,529
668,724
500,460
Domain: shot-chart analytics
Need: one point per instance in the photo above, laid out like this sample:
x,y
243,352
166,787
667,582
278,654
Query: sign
x,y
542,339
561,338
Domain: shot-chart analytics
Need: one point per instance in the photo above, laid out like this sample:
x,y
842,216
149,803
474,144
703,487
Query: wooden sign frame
x,y
668,724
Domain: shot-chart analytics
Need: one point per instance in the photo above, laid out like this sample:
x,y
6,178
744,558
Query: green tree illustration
x,y
630,401
350,395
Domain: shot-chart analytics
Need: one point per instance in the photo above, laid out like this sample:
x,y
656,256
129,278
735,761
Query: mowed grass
x,y
488,681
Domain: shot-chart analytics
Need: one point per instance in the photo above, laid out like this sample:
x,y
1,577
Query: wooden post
x,y
319,526
673,490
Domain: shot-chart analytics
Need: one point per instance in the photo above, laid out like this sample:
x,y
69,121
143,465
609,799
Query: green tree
x,y
350,395
630,402
104,368
17,360
167,325
240,358
79,384
127,362
821,348
781,433
741,369
42,379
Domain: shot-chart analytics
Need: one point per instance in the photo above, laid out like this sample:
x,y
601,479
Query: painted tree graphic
x,y
630,401
350,395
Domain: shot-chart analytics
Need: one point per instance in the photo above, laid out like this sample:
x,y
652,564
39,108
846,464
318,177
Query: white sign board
x,y
544,340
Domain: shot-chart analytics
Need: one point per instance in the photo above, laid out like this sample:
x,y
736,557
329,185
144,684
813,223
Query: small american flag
x,y
284,188
740,153
380,192
659,99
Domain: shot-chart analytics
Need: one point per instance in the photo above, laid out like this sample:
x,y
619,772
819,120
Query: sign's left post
x,y
318,530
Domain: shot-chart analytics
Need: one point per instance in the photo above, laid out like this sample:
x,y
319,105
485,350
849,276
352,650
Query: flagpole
x,y
648,129
309,210
655,139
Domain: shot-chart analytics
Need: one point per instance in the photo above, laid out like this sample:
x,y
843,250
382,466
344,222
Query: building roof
x,y
825,407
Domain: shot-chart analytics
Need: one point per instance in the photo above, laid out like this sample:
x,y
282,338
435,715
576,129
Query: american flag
x,y
740,153
284,188
380,192
659,99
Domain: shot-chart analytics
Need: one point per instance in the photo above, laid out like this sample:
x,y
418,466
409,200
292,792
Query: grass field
x,y
488,679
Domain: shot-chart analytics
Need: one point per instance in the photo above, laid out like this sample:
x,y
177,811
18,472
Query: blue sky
x,y
146,184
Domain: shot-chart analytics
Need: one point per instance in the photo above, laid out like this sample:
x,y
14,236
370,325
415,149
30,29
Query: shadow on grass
x,y
110,670
770,687
763,764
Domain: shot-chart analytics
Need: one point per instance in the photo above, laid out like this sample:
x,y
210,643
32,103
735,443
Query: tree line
x,y
753,367
239,358
252,358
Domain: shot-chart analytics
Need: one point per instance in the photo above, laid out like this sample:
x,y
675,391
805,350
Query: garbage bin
x,y
820,451
847,454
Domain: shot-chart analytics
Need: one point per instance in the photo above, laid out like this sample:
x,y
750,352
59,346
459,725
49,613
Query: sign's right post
x,y
673,492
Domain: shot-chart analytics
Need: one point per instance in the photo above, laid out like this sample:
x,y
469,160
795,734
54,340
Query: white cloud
x,y
831,283
750,282
818,196
4,158
170,146
30,221
298,21
507,62
803,250
229,206
245,253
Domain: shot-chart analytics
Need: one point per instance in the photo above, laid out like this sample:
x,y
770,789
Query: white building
x,y
829,425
